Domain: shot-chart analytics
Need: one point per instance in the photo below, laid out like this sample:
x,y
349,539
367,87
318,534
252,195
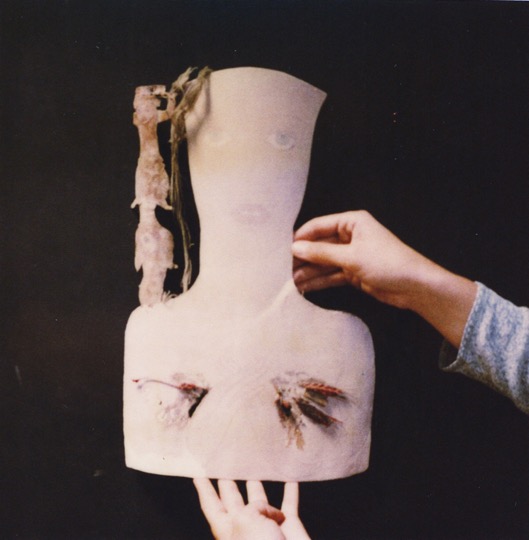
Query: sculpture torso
x,y
236,431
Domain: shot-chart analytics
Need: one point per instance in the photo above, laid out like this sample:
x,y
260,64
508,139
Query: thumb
x,y
269,511
322,253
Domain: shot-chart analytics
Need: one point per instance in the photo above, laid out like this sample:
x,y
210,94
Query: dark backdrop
x,y
425,125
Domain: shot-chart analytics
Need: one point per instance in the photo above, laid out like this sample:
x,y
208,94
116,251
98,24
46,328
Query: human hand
x,y
231,519
354,248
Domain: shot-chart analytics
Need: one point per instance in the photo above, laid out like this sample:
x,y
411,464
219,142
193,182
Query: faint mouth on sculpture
x,y
250,214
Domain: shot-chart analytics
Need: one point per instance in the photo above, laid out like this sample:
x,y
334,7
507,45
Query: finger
x,y
319,228
209,500
333,225
310,271
269,511
290,502
319,283
322,253
256,491
298,262
293,528
322,236
230,495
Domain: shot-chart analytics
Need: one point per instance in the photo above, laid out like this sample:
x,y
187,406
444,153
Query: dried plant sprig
x,y
315,414
299,397
191,392
184,93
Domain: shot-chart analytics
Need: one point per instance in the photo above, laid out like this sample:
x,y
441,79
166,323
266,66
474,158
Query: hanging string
x,y
185,93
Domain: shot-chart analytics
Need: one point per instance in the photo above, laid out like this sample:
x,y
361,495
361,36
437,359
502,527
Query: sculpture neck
x,y
244,267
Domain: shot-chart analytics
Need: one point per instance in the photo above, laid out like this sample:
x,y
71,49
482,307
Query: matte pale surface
x,y
277,388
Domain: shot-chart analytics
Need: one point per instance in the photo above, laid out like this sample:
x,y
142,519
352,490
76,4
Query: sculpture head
x,y
250,135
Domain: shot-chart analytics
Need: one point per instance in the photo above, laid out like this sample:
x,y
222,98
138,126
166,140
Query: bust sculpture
x,y
241,377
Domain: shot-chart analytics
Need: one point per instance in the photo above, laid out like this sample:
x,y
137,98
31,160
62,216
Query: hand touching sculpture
x,y
353,247
490,332
231,519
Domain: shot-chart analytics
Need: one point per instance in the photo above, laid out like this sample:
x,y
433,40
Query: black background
x,y
425,125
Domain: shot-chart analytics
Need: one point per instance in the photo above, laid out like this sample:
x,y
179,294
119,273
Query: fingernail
x,y
298,248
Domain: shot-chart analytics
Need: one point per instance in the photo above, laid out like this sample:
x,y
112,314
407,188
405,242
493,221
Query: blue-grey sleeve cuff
x,y
495,347
452,359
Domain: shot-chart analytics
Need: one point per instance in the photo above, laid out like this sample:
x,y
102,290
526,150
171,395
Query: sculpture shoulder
x,y
171,317
352,324
146,317
160,310
356,334
337,326
340,321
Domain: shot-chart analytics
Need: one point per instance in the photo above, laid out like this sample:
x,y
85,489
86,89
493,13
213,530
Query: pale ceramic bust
x,y
241,377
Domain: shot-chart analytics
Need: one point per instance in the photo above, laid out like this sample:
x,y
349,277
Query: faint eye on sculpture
x,y
216,137
282,140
